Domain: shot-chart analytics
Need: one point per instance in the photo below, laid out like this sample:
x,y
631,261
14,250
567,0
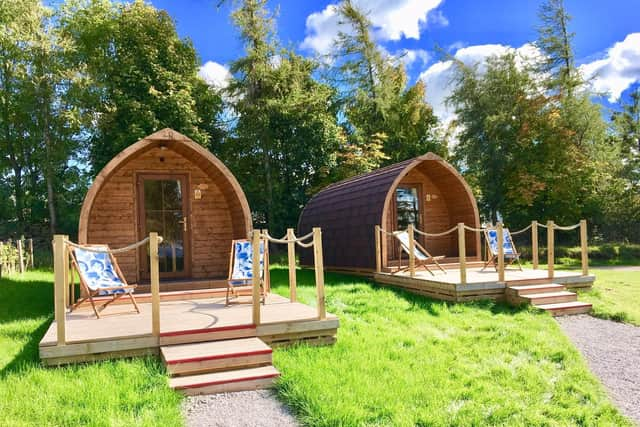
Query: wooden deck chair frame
x,y
430,259
264,280
90,294
510,259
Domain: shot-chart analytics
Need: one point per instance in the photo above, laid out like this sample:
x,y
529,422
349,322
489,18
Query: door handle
x,y
184,223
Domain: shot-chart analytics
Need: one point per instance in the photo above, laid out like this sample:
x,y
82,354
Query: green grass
x,y
615,295
118,393
404,360
400,360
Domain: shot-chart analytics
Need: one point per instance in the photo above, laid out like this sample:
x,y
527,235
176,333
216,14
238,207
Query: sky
x,y
607,36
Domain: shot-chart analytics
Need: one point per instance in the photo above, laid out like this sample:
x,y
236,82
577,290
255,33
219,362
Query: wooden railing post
x,y
319,270
378,249
500,237
20,255
534,244
60,267
412,247
154,270
255,275
550,253
462,253
291,253
584,247
31,261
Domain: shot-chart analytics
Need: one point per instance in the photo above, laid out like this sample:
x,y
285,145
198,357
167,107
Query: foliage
x,y
139,76
387,121
407,360
285,132
123,392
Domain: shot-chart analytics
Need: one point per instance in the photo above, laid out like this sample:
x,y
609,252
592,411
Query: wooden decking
x,y
481,284
122,332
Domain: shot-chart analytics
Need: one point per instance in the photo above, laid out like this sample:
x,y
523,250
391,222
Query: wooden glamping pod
x,y
169,184
425,191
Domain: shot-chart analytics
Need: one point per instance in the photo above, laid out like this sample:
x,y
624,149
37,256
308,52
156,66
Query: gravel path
x,y
612,350
258,408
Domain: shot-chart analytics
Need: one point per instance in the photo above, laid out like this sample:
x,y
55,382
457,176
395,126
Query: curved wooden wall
x,y
348,211
109,211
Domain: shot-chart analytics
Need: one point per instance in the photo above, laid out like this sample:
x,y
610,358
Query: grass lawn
x,y
404,360
615,295
119,393
400,360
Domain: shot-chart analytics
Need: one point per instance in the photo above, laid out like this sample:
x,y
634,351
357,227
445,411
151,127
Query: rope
x,y
305,245
566,228
113,251
542,225
466,227
285,240
389,233
436,234
513,233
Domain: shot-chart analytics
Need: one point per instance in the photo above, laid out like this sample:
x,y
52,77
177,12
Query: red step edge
x,y
207,330
234,380
220,356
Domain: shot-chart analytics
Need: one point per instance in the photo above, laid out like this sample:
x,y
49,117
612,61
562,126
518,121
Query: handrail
x,y
127,248
451,230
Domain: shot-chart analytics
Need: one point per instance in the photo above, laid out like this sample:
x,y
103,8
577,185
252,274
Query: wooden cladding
x,y
110,210
348,212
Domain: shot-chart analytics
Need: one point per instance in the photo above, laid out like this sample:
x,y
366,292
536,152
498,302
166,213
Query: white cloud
x,y
413,56
215,74
438,77
618,70
391,20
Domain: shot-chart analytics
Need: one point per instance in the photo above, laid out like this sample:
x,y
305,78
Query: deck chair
x,y
241,268
100,275
511,255
422,257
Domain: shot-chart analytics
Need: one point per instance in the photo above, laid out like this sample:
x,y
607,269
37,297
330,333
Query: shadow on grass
x,y
305,277
23,300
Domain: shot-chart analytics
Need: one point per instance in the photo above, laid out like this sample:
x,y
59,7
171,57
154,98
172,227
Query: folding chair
x,y
511,255
100,275
422,257
241,268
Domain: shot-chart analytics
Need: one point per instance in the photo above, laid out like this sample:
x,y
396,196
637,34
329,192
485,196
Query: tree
x,y
378,105
140,76
285,133
555,43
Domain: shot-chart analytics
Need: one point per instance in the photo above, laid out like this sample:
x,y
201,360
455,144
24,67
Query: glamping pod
x,y
169,184
425,191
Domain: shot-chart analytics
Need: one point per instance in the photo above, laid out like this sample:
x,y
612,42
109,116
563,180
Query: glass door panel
x,y
164,211
407,207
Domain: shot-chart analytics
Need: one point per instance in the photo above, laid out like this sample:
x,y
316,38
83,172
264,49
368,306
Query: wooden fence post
x,y
255,276
1,259
154,266
266,280
534,244
319,270
31,260
20,255
462,253
550,250
412,247
60,259
291,253
378,249
500,237
584,247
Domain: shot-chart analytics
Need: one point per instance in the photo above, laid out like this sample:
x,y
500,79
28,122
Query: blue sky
x,y
607,35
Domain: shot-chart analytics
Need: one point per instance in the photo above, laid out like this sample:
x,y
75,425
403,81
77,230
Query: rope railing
x,y
461,228
90,248
284,240
444,233
566,227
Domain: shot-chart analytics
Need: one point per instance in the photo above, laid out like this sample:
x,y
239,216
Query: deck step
x,y
227,381
550,297
566,308
523,290
207,334
189,359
